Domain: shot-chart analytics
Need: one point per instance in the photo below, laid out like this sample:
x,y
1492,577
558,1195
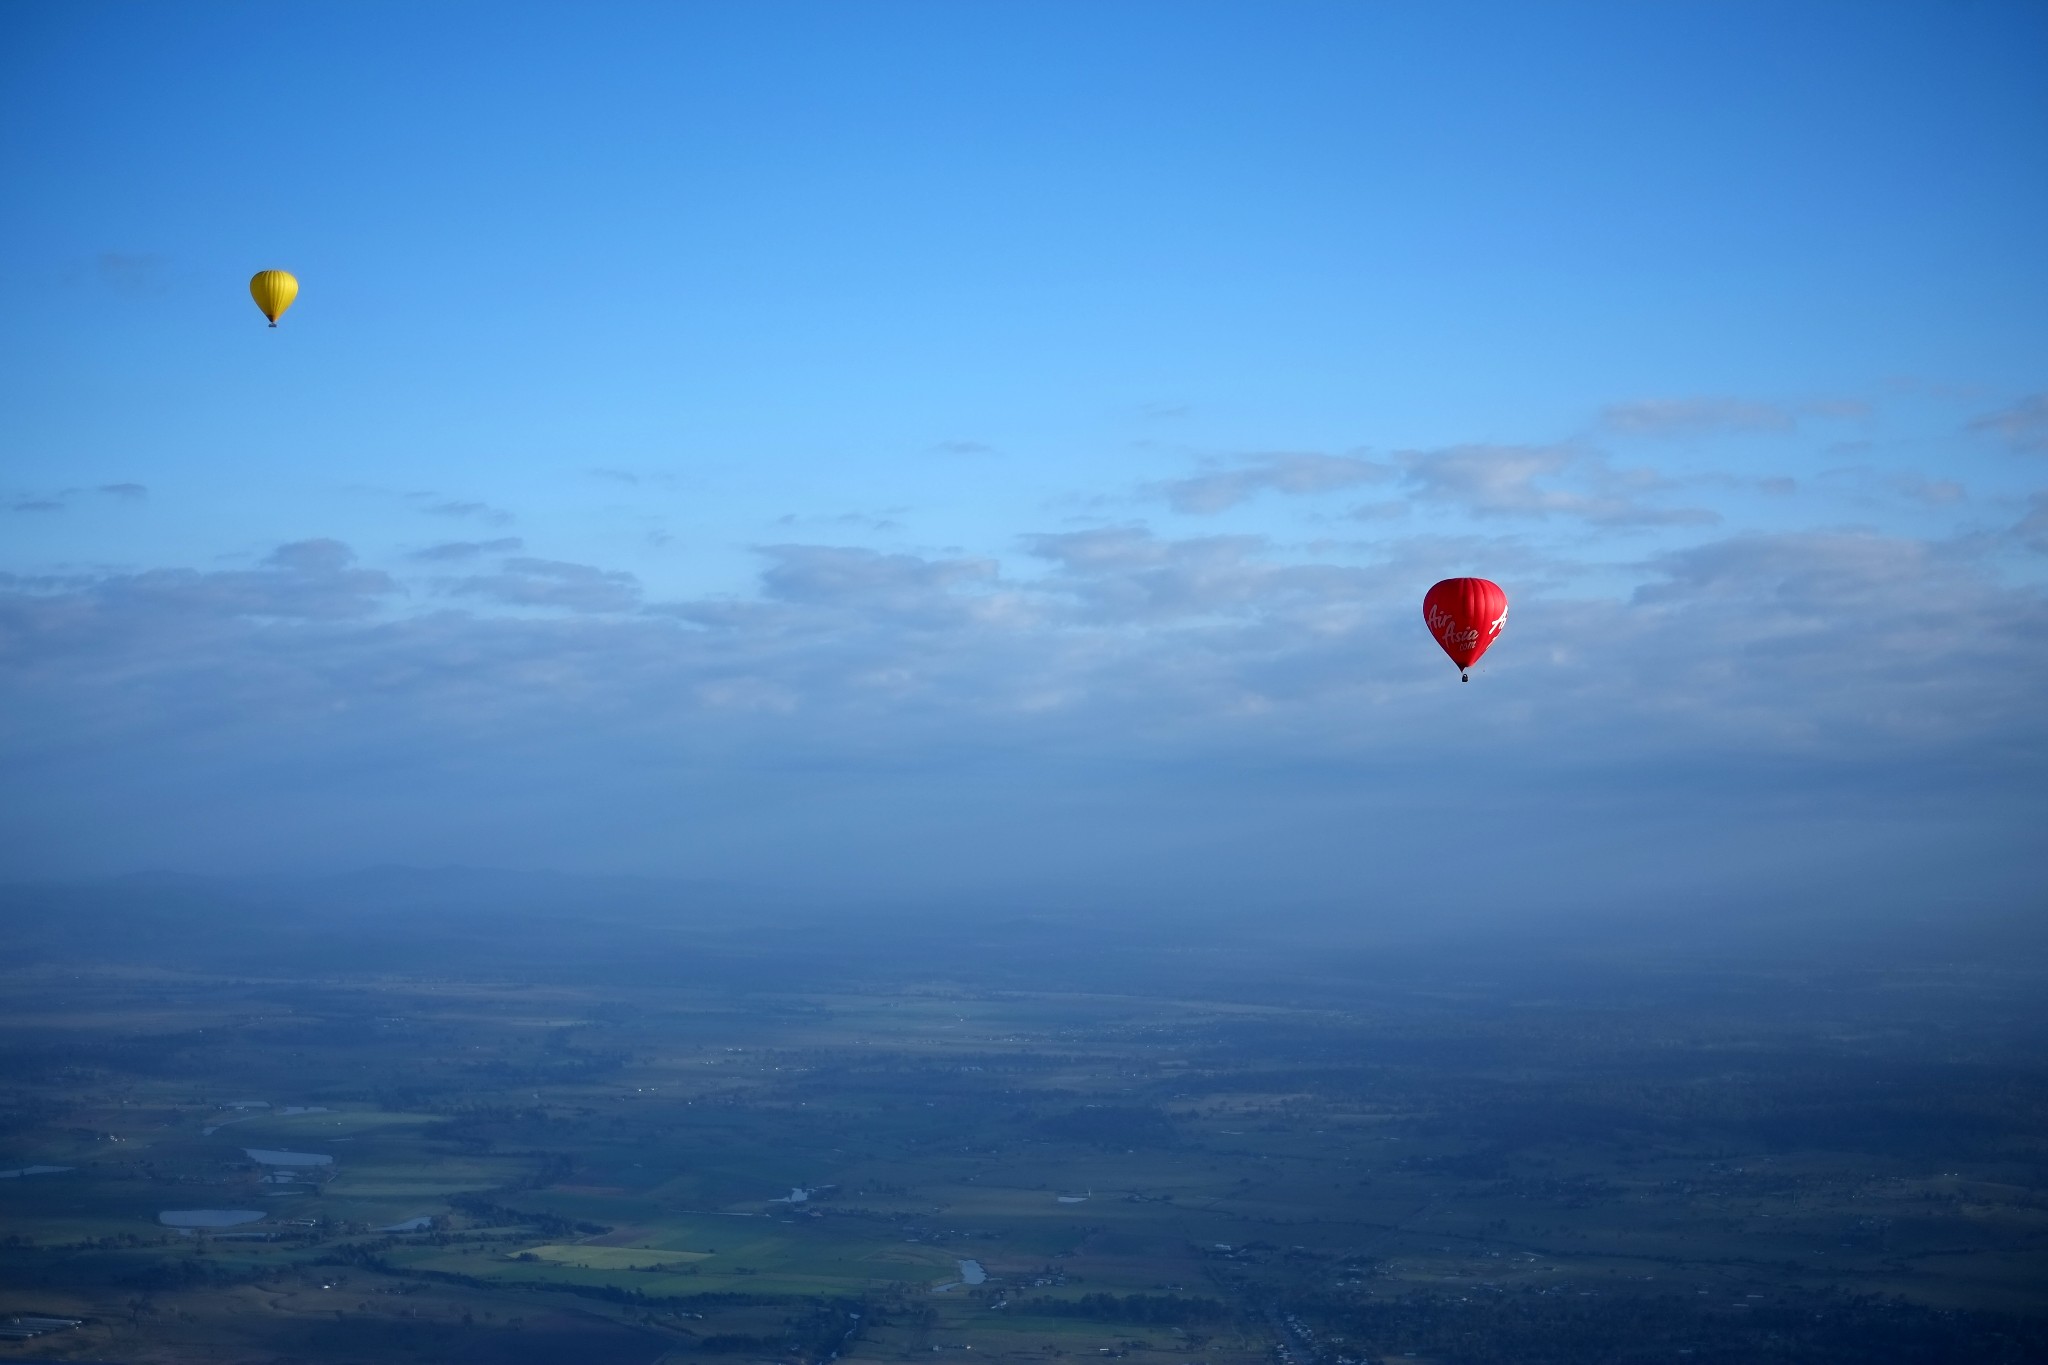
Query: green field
x,y
609,1175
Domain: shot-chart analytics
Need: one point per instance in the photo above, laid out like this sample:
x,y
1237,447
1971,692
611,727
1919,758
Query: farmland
x,y
1136,1159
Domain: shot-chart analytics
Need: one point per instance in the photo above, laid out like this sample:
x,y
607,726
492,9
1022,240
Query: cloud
x,y
319,556
1664,417
1391,509
1530,482
555,583
305,580
134,273
1809,573
171,611
126,492
2033,527
882,521
1838,640
632,478
2023,426
1122,576
1932,492
1296,474
468,549
479,511
1816,636
1539,482
1143,705
1688,416
909,588
1132,555
963,448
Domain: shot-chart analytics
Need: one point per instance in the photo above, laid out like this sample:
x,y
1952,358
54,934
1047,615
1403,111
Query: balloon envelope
x,y
273,291
1465,615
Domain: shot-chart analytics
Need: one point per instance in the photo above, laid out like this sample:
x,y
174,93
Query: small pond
x,y
265,1157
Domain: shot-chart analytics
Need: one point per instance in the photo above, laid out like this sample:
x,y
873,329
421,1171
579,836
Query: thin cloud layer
x,y
2023,426
1531,482
455,550
858,695
863,583
56,502
1540,482
472,510
1670,417
1931,492
137,274
2032,530
1767,617
1236,703
527,582
172,617
1127,575
1221,489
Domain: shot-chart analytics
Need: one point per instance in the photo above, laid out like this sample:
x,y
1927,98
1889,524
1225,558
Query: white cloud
x,y
1533,482
526,582
1851,667
1811,631
1223,488
842,578
1540,482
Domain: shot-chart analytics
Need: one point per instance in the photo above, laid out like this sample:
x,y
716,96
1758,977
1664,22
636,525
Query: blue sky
x,y
949,449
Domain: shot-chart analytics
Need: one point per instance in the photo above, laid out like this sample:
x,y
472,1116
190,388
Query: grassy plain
x,y
1145,1161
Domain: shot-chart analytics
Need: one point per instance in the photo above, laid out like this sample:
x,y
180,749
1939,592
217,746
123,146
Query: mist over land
x,y
491,1116
499,923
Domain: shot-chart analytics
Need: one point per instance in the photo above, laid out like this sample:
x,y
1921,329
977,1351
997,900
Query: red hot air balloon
x,y
1465,615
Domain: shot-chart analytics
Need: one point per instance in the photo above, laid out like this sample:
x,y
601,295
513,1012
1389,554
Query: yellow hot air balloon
x,y
273,291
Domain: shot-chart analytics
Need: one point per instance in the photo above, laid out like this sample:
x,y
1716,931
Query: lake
x,y
264,1156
